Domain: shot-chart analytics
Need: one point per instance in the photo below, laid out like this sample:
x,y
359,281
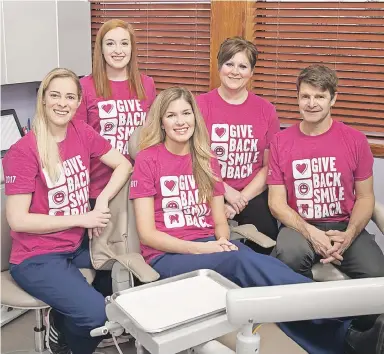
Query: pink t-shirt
x,y
319,172
114,118
169,179
239,134
68,196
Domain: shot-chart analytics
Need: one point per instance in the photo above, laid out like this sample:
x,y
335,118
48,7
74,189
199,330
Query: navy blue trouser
x,y
247,268
56,279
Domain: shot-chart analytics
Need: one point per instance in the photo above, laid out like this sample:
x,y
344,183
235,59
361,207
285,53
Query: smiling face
x,y
117,48
61,99
178,123
236,72
314,104
58,197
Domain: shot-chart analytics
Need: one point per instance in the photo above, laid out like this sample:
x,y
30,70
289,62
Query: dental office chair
x,y
118,249
14,297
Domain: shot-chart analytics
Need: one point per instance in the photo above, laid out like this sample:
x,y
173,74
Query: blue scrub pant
x,y
56,279
247,268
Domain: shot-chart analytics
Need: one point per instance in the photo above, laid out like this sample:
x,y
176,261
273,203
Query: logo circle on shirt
x,y
108,126
303,188
219,151
58,197
172,205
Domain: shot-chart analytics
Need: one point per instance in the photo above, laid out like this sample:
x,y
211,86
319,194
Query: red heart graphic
x,y
170,185
220,132
107,107
59,213
302,167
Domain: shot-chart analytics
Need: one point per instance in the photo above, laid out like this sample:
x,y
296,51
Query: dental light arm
x,y
308,301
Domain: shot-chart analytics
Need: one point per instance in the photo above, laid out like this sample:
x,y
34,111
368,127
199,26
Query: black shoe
x,y
54,340
367,342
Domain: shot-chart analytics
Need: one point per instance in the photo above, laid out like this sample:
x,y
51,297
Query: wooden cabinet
x,y
42,35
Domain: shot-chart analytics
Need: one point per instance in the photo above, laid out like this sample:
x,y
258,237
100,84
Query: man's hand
x,y
322,244
342,240
229,211
235,199
335,249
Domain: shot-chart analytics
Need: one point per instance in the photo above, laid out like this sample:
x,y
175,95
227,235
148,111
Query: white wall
x,y
21,97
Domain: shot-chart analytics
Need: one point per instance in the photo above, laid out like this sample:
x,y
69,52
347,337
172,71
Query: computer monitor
x,y
11,130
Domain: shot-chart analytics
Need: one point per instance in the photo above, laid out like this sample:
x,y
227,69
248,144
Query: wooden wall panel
x,y
229,18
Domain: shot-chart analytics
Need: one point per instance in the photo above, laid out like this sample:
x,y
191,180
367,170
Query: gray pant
x,y
363,258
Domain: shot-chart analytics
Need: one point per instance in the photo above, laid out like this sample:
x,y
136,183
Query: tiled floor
x,y
18,335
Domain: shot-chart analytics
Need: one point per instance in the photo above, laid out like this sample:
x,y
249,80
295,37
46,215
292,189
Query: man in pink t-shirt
x,y
321,186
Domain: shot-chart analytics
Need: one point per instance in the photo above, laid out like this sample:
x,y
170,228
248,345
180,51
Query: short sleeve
x,y
20,172
273,126
275,175
143,178
219,185
364,168
98,145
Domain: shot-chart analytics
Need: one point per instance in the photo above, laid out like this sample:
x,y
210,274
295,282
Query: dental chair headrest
x,y
133,144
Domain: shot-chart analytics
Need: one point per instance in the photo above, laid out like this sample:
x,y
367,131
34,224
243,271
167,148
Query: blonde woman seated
x,y
179,206
47,184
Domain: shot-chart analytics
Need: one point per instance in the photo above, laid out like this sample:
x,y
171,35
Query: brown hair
x,y
234,45
99,73
319,76
200,150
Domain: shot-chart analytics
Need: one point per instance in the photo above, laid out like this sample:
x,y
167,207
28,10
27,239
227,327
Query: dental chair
x,y
12,296
118,250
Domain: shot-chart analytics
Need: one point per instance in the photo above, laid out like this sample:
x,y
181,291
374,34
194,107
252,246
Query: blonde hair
x,y
46,145
99,73
152,134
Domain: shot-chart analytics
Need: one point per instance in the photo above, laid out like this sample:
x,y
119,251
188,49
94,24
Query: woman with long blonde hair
x,y
116,96
178,199
47,184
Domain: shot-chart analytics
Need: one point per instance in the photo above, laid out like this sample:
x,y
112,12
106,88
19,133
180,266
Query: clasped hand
x,y
330,244
236,202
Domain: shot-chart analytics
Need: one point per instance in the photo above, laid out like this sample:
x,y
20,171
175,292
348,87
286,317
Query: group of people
x,y
202,161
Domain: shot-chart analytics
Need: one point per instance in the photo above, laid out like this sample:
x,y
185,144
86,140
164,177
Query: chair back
x,y
120,237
